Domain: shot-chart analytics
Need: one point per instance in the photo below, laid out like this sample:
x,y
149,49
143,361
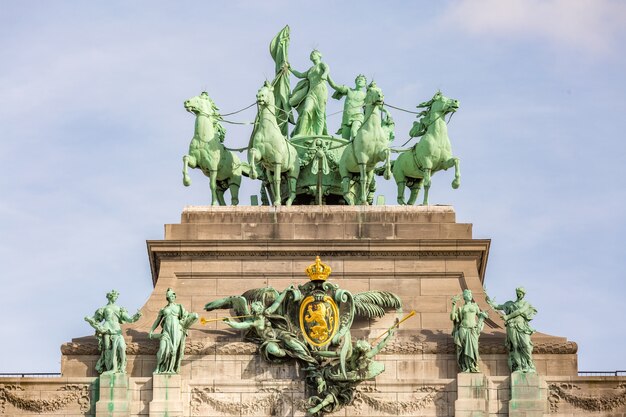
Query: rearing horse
x,y
269,147
369,147
432,153
207,152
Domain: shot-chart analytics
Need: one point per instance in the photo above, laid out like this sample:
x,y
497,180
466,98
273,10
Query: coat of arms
x,y
311,323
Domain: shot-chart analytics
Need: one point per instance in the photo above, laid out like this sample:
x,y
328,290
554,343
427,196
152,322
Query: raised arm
x,y
125,318
95,320
279,300
340,88
242,325
299,74
382,343
454,314
493,305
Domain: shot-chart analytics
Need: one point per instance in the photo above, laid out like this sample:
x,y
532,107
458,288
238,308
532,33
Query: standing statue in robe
x,y
517,315
110,339
174,322
309,98
468,322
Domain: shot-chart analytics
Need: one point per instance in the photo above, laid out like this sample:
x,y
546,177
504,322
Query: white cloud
x,y
586,25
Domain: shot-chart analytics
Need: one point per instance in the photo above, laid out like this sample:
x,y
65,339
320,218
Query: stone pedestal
x,y
472,395
114,399
166,397
529,394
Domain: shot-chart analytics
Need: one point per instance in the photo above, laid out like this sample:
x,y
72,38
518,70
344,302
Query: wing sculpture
x,y
266,295
235,302
373,304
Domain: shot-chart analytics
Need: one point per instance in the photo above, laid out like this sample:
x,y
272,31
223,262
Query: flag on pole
x,y
279,52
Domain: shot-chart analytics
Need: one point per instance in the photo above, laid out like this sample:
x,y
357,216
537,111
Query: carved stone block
x,y
166,396
529,393
114,400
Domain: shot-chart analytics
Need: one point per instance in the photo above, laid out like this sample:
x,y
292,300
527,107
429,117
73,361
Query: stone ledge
x,y
409,347
313,214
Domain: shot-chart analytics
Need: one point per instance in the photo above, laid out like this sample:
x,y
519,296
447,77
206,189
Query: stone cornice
x,y
396,347
418,249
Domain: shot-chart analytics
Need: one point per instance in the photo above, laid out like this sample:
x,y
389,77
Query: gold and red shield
x,y
319,319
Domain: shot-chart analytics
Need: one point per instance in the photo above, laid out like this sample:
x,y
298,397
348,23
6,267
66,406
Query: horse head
x,y
436,108
201,105
265,95
442,105
374,95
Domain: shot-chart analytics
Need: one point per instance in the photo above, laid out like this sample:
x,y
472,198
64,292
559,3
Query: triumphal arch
x,y
317,299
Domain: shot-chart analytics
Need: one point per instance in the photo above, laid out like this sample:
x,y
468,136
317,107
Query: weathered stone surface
x,y
419,253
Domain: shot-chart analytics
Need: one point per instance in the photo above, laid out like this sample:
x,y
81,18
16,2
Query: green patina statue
x,y
311,324
413,168
369,147
309,98
107,320
353,117
517,315
276,338
468,322
207,152
174,322
309,166
331,387
269,148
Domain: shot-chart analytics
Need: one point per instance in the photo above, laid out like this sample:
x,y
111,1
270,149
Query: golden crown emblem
x,y
318,271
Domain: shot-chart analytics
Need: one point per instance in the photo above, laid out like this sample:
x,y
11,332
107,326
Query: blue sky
x,y
92,131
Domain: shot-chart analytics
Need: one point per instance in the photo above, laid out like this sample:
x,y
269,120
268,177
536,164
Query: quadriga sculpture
x,y
271,149
432,153
369,147
207,152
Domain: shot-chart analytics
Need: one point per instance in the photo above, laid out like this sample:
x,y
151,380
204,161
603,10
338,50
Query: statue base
x,y
472,395
114,399
529,393
166,396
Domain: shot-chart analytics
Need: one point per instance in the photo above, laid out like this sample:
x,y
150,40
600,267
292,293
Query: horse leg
x,y
265,194
188,161
426,186
457,170
293,180
345,185
233,186
253,158
220,196
371,188
401,185
363,182
415,189
277,193
213,185
387,154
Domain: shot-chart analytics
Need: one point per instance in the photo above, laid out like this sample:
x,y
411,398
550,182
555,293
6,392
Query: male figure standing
x,y
353,107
